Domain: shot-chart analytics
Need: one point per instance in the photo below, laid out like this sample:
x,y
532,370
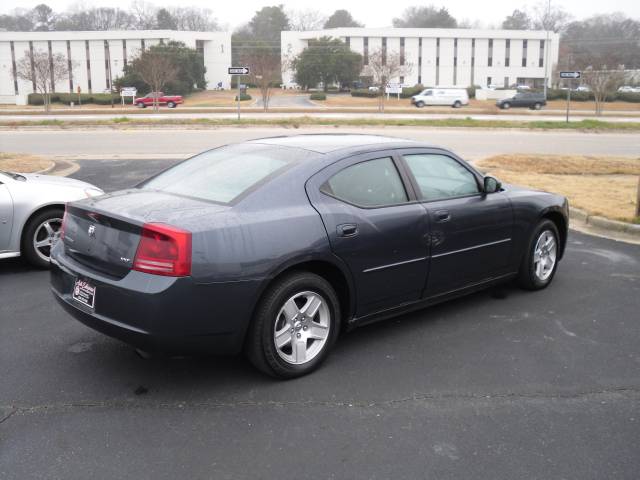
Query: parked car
x,y
629,89
274,246
31,211
454,97
532,100
171,101
374,89
582,88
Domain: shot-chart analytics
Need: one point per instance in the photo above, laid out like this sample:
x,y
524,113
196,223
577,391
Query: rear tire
x,y
540,261
171,105
38,235
537,106
457,104
294,327
141,105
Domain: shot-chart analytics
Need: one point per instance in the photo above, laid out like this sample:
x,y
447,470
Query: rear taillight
x,y
163,250
63,225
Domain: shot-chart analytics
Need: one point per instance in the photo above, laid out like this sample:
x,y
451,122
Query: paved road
x,y
316,114
470,143
503,384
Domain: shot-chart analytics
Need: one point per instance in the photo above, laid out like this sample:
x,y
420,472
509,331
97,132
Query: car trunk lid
x,y
103,233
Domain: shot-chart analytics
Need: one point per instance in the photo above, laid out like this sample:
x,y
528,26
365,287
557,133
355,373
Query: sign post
x,y
238,72
571,76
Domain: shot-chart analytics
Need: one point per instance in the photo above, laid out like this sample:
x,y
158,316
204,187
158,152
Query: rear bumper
x,y
155,313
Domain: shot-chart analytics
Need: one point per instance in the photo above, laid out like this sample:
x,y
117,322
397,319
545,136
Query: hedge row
x,y
317,96
67,98
243,97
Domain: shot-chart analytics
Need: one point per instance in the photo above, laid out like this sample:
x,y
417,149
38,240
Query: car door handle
x,y
442,216
347,230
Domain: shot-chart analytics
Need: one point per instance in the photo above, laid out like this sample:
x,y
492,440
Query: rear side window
x,y
440,177
223,174
373,183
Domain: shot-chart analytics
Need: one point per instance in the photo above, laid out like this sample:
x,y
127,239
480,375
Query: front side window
x,y
225,173
440,177
373,183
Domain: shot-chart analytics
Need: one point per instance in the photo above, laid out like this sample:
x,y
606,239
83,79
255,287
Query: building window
x,y
541,59
490,59
420,61
455,61
473,59
401,80
384,50
52,78
365,53
506,82
107,64
33,67
507,53
13,67
347,41
437,61
200,47
124,52
488,81
142,44
401,50
69,66
88,55
524,53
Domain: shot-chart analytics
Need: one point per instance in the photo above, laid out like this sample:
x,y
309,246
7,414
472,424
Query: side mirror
x,y
491,184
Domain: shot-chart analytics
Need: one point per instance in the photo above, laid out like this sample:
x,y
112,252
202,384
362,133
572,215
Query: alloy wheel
x,y
44,236
302,327
544,255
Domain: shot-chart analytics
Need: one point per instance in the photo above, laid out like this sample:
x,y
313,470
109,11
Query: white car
x,y
31,211
454,97
582,88
629,89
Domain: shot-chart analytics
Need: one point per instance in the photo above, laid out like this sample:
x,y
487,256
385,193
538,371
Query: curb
x,y
44,171
604,223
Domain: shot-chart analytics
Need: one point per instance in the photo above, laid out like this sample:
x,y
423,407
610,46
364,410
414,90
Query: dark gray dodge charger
x,y
274,246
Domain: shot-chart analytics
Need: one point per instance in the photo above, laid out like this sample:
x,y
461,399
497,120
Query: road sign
x,y
570,74
238,70
128,92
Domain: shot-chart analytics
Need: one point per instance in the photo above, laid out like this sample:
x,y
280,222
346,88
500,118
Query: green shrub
x,y
364,93
318,96
38,99
409,92
471,91
628,97
243,97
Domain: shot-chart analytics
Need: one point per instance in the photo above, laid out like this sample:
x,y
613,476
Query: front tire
x,y
540,260
141,105
294,327
457,104
505,106
537,106
420,104
171,104
38,236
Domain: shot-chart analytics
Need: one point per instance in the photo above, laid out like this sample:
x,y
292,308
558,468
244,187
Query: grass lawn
x,y
19,162
605,186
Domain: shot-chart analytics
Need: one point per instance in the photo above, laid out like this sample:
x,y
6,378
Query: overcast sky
x,y
233,14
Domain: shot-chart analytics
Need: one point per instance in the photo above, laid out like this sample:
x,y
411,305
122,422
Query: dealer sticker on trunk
x,y
84,293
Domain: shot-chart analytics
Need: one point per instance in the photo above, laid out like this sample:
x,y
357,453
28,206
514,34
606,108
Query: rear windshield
x,y
223,174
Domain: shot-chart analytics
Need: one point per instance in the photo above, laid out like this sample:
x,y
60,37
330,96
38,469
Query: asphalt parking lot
x,y
503,384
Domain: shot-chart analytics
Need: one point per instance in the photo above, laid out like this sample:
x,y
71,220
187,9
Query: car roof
x,y
332,142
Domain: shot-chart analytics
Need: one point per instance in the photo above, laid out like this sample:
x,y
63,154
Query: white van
x,y
455,97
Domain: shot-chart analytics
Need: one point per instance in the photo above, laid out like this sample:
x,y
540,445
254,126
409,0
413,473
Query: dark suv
x,y
535,101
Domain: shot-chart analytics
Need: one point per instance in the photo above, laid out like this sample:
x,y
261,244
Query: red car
x,y
170,101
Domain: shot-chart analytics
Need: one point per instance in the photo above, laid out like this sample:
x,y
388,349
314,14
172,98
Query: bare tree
x,y
264,64
382,67
549,17
44,71
156,70
305,20
144,14
602,82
